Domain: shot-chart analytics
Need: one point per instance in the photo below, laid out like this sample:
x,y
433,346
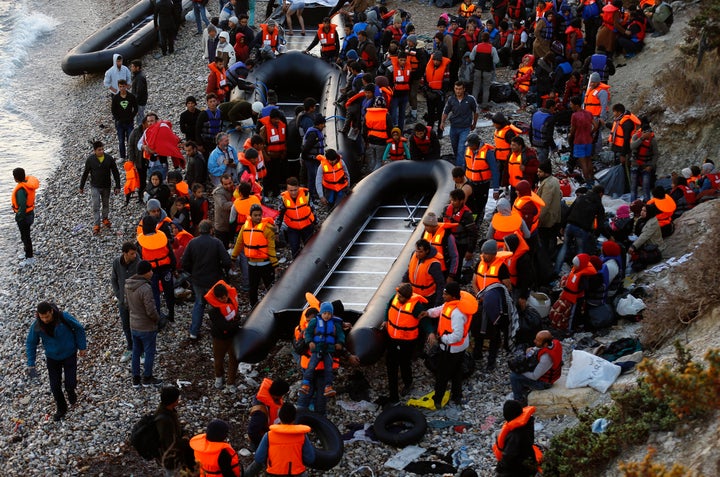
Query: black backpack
x,y
145,438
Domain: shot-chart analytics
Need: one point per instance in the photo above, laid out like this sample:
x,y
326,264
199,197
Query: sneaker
x,y
136,382
148,381
72,397
28,262
329,391
305,389
106,223
96,229
59,415
127,354
218,383
193,337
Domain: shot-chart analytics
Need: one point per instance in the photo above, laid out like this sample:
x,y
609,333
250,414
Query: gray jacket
x,y
139,300
121,271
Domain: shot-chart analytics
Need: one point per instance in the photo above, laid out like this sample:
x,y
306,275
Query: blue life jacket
x,y
598,63
539,136
325,330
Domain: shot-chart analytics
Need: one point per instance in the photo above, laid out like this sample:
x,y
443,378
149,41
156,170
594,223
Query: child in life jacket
x,y
324,335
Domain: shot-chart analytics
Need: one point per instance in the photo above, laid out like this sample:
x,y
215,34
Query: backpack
x,y
621,347
144,437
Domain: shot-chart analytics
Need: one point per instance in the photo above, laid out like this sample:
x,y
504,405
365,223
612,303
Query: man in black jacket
x,y
514,447
586,215
206,260
100,167
175,451
139,90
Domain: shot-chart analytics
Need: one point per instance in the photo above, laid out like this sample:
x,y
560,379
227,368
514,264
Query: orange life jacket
x,y
509,426
667,207
242,207
617,133
255,172
298,214
505,225
571,292
608,16
437,241
468,305
489,274
419,275
476,166
397,149
515,172
30,185
207,453
539,204
466,10
401,324
555,352
412,58
333,175
132,180
512,261
502,146
269,38
223,87
328,40
285,443
255,244
434,75
228,310
155,249
401,76
269,407
275,136
592,103
643,154
524,75
376,122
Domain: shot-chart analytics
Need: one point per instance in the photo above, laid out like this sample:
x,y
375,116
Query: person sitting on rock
x,y
545,373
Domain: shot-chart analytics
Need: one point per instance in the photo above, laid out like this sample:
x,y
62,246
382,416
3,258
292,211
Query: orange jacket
x,y
666,207
376,122
505,225
155,249
502,145
592,103
132,180
555,353
509,426
207,453
30,185
539,204
269,38
512,261
617,133
228,310
571,291
269,407
220,87
468,305
256,245
489,274
328,40
419,275
333,176
434,76
401,323
275,141
298,214
476,167
401,76
285,442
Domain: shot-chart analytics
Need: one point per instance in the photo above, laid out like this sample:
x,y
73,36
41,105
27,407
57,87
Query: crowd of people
x,y
460,289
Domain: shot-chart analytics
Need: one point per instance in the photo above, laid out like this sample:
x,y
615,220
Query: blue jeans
x,y
522,385
582,243
315,398
123,134
198,309
143,342
99,196
199,12
296,237
457,140
398,105
639,174
334,197
327,373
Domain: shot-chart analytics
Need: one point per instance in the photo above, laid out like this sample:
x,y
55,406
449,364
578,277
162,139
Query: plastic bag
x,y
591,370
630,306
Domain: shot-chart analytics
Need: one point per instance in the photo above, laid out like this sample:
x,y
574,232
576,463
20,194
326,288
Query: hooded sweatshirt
x,y
113,74
224,47
139,299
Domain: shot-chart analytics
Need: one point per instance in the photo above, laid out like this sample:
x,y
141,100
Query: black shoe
x,y
72,396
148,381
136,382
59,415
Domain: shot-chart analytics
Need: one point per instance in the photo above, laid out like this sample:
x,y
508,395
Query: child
x,y
324,335
397,147
198,206
132,180
180,211
523,78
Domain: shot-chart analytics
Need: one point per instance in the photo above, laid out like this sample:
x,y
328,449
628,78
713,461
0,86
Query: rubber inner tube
x,y
400,426
325,437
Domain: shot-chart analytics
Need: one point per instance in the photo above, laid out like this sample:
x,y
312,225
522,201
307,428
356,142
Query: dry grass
x,y
693,295
683,85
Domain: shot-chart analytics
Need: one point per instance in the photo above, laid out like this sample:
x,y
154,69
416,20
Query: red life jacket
x,y
555,352
423,143
643,154
401,76
397,149
275,135
328,40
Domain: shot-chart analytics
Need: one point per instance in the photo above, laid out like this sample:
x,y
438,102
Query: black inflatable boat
x,y
359,256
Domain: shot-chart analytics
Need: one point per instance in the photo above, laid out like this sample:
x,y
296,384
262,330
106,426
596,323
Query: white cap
x,y
257,107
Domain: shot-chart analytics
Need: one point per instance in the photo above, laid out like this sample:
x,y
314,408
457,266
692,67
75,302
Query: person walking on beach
x,y
124,267
63,338
23,204
144,319
100,167
116,72
124,109
139,90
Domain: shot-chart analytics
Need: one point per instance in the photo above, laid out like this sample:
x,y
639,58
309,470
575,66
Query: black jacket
x,y
139,88
124,109
518,458
100,172
585,210
206,260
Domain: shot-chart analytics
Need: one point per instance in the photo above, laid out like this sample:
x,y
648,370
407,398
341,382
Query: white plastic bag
x,y
630,306
590,370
